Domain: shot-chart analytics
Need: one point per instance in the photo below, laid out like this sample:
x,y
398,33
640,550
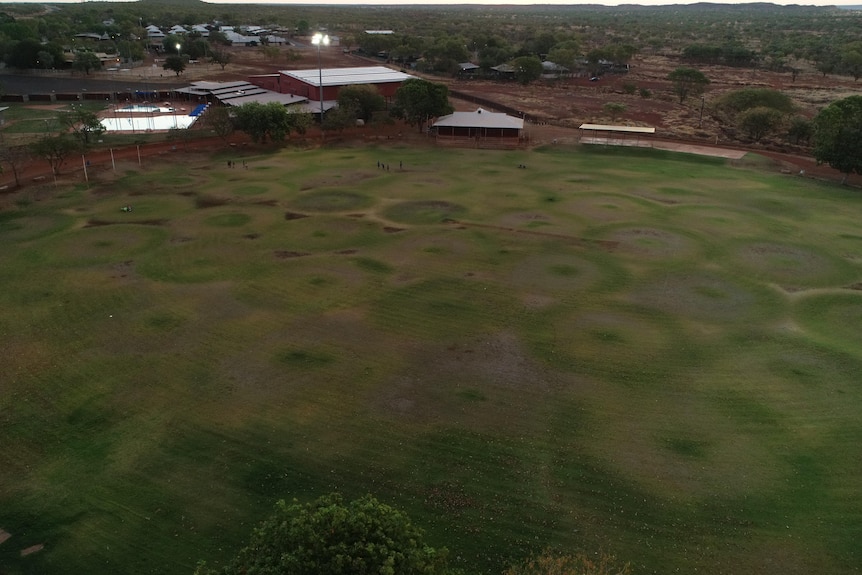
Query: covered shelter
x,y
480,128
616,135
238,93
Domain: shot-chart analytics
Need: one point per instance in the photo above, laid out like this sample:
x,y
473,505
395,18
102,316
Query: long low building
x,y
309,83
483,127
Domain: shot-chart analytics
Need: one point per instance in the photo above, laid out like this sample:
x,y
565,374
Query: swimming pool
x,y
131,123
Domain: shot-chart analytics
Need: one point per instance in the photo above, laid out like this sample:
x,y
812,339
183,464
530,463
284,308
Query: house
x,y
237,39
480,128
503,72
467,70
552,70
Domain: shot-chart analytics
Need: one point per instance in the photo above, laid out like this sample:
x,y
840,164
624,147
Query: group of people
x,y
232,164
383,166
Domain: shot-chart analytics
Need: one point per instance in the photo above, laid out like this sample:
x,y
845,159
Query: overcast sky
x,y
521,2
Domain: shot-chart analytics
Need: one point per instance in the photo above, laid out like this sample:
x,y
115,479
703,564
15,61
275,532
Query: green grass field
x,y
650,354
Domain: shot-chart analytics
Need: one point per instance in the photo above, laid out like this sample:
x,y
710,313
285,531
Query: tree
x,y
14,157
54,149
219,120
23,54
269,121
364,100
270,52
217,37
851,63
688,82
175,64
417,101
86,61
614,109
332,537
527,69
739,101
838,136
83,124
800,130
221,57
340,118
550,563
760,121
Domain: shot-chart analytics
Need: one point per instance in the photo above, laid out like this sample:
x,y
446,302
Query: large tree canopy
x,y
838,135
688,82
272,120
417,101
332,537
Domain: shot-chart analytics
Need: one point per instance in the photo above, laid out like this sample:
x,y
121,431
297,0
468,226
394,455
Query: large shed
x,y
309,83
481,127
615,135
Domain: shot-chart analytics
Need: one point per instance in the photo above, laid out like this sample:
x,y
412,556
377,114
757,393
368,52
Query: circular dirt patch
x,y
102,243
651,242
835,316
606,208
554,273
424,212
791,265
228,220
715,222
332,201
250,190
700,296
611,339
13,229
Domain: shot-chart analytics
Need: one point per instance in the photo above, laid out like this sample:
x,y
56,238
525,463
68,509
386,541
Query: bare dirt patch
x,y
4,535
32,549
285,254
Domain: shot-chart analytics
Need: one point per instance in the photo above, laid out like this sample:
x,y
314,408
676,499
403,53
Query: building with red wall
x,y
307,83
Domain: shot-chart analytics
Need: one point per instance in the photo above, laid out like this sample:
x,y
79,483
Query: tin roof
x,y
348,76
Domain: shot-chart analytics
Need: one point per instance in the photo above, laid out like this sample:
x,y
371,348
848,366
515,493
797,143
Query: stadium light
x,y
317,40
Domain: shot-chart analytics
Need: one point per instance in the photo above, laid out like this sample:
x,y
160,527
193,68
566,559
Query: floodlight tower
x,y
317,40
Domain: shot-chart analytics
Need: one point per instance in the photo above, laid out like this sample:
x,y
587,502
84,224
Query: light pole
x,y
178,48
317,40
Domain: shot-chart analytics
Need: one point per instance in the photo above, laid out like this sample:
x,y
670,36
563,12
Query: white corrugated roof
x,y
263,97
348,76
480,119
604,128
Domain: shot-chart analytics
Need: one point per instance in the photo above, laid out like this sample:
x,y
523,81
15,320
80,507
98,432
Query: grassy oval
x,y
20,227
835,316
332,201
232,220
424,212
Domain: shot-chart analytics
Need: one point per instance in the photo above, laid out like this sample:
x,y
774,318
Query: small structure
x,y
503,72
238,93
615,135
467,70
554,70
481,128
